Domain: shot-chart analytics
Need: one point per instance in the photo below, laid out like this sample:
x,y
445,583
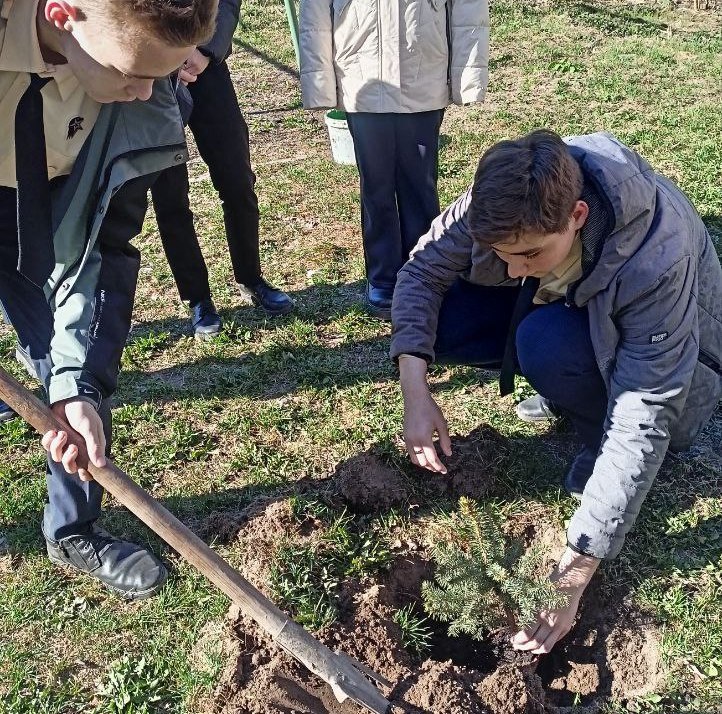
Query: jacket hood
x,y
627,185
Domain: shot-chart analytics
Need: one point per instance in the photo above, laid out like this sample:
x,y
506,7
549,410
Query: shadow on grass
x,y
318,304
615,21
277,370
265,57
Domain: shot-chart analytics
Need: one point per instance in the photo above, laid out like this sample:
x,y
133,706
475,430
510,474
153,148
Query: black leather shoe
x,y
6,413
378,301
580,471
272,300
206,321
536,408
125,568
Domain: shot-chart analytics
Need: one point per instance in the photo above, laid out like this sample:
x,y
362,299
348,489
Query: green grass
x,y
210,427
415,633
305,578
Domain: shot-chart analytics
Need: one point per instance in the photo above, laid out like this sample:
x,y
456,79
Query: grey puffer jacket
x,y
654,296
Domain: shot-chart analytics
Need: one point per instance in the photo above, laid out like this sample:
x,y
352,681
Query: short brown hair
x,y
179,23
522,186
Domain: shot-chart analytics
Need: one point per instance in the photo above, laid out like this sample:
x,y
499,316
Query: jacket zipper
x,y
709,361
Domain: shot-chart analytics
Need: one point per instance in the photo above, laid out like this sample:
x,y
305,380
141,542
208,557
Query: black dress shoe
x,y
125,568
580,471
206,321
6,413
378,301
536,408
272,300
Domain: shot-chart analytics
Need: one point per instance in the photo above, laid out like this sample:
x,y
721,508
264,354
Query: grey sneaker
x,y
125,568
536,408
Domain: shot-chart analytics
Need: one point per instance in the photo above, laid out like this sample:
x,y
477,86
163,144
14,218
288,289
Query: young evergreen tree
x,y
483,581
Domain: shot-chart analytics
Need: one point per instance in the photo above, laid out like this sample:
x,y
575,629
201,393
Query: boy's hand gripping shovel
x,y
348,678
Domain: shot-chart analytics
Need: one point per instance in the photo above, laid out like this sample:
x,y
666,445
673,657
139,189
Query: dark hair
x,y
179,23
521,186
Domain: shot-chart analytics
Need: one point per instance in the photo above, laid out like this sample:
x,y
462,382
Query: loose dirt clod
x,y
438,686
369,485
511,690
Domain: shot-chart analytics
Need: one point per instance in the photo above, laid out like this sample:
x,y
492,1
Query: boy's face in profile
x,y
113,62
537,255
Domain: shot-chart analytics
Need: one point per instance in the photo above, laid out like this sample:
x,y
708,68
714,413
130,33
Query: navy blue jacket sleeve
x,y
219,46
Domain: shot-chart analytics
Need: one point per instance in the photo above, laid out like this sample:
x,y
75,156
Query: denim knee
x,y
554,346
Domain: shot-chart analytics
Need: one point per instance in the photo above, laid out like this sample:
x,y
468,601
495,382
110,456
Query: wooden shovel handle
x,y
148,510
334,668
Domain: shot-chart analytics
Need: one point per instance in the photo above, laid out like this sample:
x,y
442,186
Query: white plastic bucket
x,y
341,140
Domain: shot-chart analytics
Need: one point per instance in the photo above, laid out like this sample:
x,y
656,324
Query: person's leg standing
x,y
417,172
180,244
374,140
221,134
178,235
124,567
72,502
557,358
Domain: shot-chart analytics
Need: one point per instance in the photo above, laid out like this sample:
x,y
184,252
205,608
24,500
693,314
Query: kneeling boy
x,y
575,264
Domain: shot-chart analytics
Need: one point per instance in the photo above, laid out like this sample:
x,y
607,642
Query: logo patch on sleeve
x,y
658,337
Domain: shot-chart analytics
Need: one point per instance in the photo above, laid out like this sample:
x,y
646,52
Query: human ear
x,y
579,214
62,14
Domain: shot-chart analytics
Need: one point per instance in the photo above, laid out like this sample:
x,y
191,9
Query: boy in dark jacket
x,y
89,119
575,264
221,135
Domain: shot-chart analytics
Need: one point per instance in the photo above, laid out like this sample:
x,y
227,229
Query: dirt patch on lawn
x,y
618,663
368,483
612,654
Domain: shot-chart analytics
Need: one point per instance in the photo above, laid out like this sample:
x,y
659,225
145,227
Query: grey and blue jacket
x,y
129,141
653,289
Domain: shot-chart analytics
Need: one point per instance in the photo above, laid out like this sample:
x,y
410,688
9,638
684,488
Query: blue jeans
x,y
553,345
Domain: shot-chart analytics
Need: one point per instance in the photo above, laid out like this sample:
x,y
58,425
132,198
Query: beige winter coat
x,y
397,56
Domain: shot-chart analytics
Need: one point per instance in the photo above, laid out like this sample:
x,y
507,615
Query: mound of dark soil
x,y
473,464
369,484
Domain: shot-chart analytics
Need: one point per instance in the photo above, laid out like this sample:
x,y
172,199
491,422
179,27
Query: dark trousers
x,y
553,344
398,162
221,134
72,503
